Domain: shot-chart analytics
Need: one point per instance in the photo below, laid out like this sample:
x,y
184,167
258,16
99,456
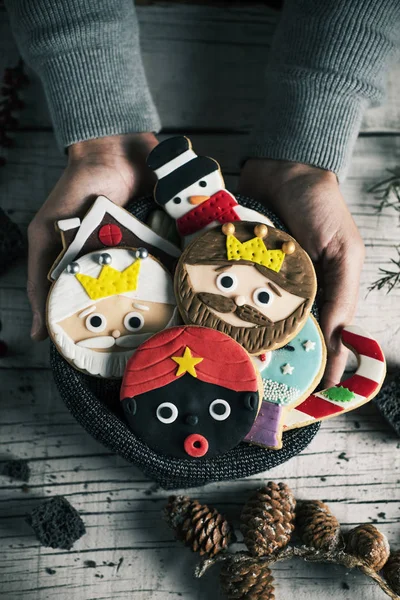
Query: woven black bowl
x,y
95,404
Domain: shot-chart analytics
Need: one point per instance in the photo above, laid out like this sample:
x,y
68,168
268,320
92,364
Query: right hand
x,y
112,166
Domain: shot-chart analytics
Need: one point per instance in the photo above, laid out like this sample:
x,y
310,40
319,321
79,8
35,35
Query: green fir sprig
x,y
390,278
387,192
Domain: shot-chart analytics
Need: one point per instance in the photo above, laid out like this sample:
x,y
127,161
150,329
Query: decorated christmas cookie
x,y
192,190
349,394
104,304
252,282
107,225
289,375
191,392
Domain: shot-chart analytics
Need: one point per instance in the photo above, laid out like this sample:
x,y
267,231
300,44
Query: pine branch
x,y
387,192
307,554
390,279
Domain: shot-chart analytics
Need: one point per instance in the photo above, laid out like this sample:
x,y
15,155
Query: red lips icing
x,y
196,445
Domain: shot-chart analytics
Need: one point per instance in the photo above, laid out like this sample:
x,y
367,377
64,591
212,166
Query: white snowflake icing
x,y
287,369
308,345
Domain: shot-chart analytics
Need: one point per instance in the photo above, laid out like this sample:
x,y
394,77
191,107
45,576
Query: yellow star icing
x,y
187,363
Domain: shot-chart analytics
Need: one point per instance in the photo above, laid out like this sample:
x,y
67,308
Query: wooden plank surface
x,y
128,552
205,67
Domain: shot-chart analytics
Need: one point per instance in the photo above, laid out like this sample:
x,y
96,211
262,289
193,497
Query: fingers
x,y
42,251
341,268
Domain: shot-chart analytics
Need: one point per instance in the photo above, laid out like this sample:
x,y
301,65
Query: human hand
x,y
111,166
309,202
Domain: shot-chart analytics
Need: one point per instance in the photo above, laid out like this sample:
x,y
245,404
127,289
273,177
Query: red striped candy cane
x,y
365,383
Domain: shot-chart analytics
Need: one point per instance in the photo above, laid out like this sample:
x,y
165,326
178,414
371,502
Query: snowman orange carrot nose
x,y
198,199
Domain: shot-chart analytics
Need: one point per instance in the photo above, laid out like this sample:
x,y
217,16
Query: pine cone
x,y
267,519
247,579
391,571
316,526
369,544
202,528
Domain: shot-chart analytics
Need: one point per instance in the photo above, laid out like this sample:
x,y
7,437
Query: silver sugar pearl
x,y
73,268
105,259
141,253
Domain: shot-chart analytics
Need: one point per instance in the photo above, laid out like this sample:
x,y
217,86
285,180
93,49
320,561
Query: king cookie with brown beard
x,y
254,283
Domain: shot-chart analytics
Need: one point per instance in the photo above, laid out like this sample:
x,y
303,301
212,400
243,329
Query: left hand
x,y
308,200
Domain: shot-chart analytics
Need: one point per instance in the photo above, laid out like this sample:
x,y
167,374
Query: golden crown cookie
x,y
254,283
191,392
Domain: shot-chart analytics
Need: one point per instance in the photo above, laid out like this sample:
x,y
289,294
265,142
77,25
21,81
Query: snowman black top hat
x,y
177,167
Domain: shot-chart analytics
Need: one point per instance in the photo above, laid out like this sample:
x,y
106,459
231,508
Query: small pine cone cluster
x,y
267,519
391,571
247,579
367,543
316,526
202,528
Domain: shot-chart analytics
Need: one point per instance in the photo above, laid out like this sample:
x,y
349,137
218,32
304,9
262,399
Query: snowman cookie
x,y
104,304
192,191
252,282
190,392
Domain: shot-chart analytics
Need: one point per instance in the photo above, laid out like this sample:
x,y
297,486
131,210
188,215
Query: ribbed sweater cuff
x,y
308,121
87,102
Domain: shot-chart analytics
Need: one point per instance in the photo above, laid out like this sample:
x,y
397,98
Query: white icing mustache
x,y
107,341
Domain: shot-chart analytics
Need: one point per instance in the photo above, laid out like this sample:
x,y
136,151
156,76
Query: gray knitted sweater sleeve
x,y
87,55
327,64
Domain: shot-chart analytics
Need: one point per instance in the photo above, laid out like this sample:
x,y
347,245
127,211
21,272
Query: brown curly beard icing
x,y
289,291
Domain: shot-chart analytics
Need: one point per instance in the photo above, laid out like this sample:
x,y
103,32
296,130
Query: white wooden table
x,y
353,463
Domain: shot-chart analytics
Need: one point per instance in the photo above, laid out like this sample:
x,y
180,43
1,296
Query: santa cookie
x,y
252,282
103,305
192,191
191,392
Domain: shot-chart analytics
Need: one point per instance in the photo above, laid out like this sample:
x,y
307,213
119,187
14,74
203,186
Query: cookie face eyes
x,y
220,409
96,322
263,297
177,200
167,413
133,321
226,282
203,184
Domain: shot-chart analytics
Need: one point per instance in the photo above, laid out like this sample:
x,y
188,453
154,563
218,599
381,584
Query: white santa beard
x,y
105,364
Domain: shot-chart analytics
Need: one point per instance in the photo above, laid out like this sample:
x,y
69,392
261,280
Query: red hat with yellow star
x,y
203,353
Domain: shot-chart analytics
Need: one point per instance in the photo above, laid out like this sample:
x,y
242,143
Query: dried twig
x,y
307,554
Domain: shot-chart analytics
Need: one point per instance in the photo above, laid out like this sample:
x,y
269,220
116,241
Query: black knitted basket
x,y
95,404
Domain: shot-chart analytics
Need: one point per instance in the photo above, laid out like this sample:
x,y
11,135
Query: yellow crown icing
x,y
110,281
255,251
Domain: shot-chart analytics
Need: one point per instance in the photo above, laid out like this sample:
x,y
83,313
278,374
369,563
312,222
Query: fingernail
x,y
36,324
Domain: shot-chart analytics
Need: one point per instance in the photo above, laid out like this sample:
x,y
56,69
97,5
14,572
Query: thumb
x,y
341,278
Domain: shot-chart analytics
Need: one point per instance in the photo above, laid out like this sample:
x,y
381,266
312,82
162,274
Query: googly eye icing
x,y
227,282
220,409
133,321
177,200
96,322
167,413
263,297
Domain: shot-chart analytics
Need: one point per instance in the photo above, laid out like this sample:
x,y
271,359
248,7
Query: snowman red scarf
x,y
219,207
